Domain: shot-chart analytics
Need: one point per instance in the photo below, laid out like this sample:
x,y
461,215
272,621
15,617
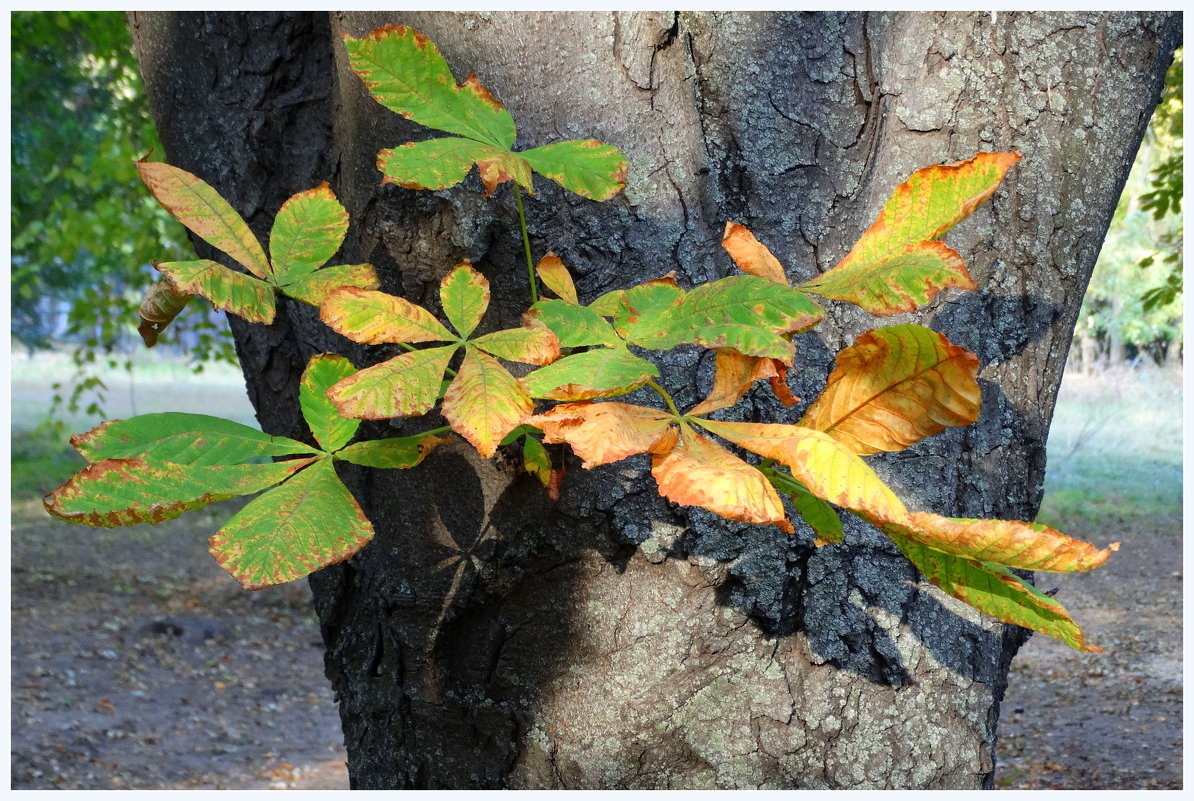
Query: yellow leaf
x,y
733,376
464,293
827,468
534,343
699,472
1028,546
373,318
484,402
894,387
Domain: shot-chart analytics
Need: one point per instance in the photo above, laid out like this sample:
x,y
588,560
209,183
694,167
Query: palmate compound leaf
x,y
126,491
895,386
200,208
307,232
483,403
308,523
406,73
897,265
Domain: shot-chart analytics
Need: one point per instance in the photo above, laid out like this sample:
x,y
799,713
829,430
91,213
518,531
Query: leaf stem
x,y
671,405
526,244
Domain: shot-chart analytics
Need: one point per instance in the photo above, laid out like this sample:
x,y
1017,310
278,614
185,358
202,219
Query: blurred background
x,y
138,663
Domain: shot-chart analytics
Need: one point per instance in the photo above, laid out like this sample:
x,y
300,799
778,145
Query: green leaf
x,y
485,402
600,373
374,318
141,434
392,453
405,72
308,523
608,304
317,286
242,295
995,591
575,326
641,309
536,460
201,209
330,430
587,167
820,516
464,293
750,314
441,163
122,492
404,386
309,229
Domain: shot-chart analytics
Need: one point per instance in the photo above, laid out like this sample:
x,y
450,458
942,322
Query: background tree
x,y
489,638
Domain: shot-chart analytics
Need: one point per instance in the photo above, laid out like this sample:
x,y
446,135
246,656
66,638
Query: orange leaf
x,y
1028,546
601,433
161,305
751,255
484,402
894,387
733,376
699,472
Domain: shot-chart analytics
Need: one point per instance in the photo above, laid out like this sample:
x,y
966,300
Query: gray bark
x,y
488,638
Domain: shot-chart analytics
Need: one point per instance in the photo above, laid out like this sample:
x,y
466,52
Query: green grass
x,y
1115,454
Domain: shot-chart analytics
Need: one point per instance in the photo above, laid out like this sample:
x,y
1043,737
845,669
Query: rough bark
x,y
488,638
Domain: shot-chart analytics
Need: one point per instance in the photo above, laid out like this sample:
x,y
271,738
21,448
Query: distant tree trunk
x,y
488,638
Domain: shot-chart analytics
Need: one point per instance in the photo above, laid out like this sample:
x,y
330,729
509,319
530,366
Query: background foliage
x,y
83,229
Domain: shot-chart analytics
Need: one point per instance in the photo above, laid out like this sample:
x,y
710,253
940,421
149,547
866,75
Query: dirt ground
x,y
138,663
1110,720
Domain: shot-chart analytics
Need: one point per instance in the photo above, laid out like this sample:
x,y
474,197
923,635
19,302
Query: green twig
x,y
526,244
671,405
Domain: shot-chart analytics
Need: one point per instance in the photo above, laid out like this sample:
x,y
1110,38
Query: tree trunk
x,y
489,638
